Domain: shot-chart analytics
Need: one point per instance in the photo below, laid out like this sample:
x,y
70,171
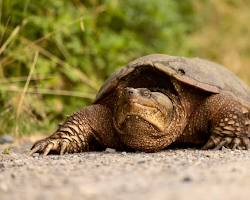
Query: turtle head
x,y
142,114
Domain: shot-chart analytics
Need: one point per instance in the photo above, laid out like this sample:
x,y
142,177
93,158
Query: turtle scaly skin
x,y
215,121
157,101
78,133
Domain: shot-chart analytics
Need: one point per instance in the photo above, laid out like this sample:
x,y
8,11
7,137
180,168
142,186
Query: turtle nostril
x,y
130,92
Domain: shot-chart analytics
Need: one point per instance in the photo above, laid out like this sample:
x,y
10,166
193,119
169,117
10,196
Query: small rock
x,y
235,169
141,161
6,139
187,179
62,162
54,157
12,175
124,153
109,150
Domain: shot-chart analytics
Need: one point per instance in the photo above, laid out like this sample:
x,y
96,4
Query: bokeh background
x,y
54,55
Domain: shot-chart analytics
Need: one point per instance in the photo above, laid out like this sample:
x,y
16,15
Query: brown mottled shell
x,y
200,73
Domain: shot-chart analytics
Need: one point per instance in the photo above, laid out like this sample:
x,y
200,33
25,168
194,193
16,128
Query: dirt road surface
x,y
171,174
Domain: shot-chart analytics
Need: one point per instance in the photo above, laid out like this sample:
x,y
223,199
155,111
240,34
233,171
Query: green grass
x,y
54,55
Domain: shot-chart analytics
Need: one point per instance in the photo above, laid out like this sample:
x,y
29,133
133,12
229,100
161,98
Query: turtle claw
x,y
235,143
224,142
39,146
63,148
48,149
246,142
47,145
217,142
210,143
34,149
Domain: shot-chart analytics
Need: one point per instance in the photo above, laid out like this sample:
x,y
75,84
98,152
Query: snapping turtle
x,y
159,100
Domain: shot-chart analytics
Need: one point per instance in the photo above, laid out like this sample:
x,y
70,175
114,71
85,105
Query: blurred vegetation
x,y
54,55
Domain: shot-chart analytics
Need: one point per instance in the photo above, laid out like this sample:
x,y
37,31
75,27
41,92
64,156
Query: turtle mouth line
x,y
137,116
144,106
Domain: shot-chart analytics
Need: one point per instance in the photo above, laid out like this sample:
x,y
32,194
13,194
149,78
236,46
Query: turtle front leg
x,y
83,131
229,122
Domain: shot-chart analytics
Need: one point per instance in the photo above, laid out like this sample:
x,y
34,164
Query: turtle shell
x,y
203,74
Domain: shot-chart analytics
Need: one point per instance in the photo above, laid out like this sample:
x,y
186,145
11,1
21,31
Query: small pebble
x,y
234,169
187,179
141,161
124,153
13,176
109,150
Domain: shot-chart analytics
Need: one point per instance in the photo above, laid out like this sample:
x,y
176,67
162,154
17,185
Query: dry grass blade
x,y
10,38
26,85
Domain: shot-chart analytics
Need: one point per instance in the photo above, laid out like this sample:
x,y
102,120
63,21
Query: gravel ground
x,y
171,174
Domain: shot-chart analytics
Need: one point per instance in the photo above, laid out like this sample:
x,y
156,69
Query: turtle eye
x,y
146,93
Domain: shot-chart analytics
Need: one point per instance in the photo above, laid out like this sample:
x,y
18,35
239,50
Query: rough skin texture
x,y
200,116
217,120
88,129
